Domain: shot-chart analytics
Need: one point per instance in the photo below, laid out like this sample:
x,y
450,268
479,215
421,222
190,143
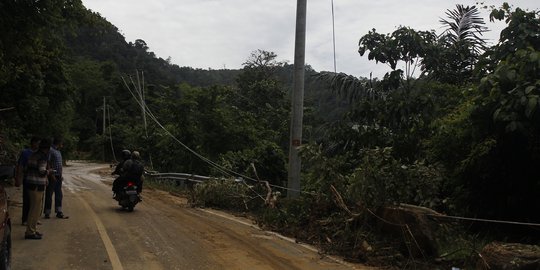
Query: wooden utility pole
x,y
297,100
143,102
103,131
143,108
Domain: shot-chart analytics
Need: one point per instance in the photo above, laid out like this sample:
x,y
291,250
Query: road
x,y
162,233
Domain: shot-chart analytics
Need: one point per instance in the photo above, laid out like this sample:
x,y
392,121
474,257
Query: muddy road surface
x,y
163,232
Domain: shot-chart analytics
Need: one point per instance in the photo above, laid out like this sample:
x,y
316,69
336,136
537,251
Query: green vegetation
x,y
461,136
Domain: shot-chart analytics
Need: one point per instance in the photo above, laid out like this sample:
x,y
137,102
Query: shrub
x,y
227,194
382,179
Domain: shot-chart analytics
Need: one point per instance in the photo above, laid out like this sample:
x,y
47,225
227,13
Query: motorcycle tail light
x,y
129,184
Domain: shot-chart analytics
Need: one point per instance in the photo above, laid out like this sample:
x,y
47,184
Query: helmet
x,y
126,154
135,155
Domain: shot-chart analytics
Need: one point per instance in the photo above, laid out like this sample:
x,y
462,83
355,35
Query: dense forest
x,y
454,125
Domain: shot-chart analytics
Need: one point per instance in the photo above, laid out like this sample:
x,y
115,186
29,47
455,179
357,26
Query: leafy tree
x,y
260,93
403,45
92,82
453,57
32,72
260,102
505,120
402,113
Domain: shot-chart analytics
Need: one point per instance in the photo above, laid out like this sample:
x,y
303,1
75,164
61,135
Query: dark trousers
x,y
25,202
118,183
56,189
139,186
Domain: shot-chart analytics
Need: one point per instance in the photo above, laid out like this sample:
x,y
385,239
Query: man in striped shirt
x,y
36,180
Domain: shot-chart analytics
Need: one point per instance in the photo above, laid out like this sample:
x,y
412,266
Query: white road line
x,y
111,251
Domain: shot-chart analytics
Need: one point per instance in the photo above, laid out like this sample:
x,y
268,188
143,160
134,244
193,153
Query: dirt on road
x,y
163,232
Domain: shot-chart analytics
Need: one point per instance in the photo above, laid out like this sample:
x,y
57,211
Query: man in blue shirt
x,y
55,186
20,175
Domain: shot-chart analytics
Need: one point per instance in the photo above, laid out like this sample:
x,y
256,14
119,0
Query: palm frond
x,y
349,86
464,24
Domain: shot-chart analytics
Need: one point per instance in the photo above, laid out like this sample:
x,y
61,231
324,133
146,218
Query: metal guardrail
x,y
181,179
179,176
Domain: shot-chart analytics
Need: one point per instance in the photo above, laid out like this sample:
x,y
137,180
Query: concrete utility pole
x,y
297,100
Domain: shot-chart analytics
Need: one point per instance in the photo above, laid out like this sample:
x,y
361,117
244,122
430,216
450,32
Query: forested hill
x,y
94,38
97,40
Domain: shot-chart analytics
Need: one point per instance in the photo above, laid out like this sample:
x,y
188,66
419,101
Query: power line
x,y
139,89
152,116
334,36
485,220
440,216
208,161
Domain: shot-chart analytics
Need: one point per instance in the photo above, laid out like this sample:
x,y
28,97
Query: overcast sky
x,y
222,33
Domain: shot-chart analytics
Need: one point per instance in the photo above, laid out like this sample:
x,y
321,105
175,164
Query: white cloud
x,y
218,33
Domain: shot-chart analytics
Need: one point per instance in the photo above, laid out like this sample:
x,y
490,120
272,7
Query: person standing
x,y
55,186
36,179
20,175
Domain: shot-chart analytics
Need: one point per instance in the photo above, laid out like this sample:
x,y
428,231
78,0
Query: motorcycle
x,y
128,196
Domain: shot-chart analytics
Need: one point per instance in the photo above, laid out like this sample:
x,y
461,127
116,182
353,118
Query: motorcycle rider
x,y
134,169
119,170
